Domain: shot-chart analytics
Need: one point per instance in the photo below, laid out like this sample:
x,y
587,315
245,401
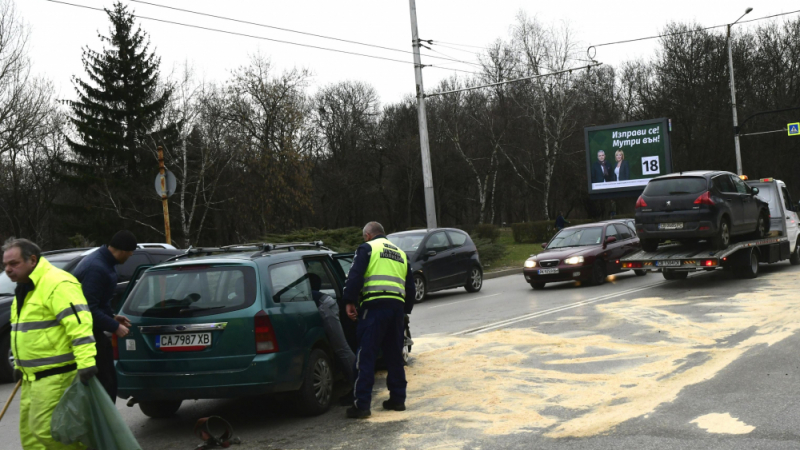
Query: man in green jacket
x,y
51,337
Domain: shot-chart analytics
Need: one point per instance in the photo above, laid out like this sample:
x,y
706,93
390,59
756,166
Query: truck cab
x,y
782,209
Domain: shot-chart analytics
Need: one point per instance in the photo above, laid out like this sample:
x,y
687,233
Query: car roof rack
x,y
259,248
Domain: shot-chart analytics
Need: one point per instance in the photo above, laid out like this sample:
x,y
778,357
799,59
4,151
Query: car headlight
x,y
530,263
574,260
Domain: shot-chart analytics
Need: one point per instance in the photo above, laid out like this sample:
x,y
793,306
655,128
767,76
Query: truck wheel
x,y
475,280
598,273
673,275
314,396
538,286
750,268
723,237
640,273
795,258
649,245
160,409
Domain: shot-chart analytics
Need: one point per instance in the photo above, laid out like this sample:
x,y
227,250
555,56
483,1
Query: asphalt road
x,y
708,362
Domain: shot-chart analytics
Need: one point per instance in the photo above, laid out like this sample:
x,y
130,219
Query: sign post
x,y
793,128
164,192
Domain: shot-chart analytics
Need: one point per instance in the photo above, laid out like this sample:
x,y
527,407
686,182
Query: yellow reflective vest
x,y
54,327
386,272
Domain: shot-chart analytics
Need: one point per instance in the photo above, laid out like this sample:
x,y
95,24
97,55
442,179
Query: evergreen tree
x,y
117,117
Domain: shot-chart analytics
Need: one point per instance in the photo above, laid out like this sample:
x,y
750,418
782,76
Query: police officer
x,y
380,282
51,337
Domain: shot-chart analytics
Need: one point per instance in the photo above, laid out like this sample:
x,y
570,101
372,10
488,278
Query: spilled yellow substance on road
x,y
722,424
521,380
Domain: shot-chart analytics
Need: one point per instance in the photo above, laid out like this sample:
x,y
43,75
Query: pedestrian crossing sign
x,y
794,129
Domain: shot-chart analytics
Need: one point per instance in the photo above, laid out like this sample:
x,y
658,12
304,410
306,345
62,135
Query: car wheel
x,y
761,227
649,245
538,286
160,409
421,288
7,364
407,342
475,280
673,275
723,237
640,273
314,396
598,273
750,269
795,258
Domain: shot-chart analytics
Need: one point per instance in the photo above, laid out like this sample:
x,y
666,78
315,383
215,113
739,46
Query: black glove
x,y
17,374
87,374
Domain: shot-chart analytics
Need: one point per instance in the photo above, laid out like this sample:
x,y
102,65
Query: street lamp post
x,y
733,97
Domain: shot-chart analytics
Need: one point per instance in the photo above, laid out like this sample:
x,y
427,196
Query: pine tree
x,y
117,118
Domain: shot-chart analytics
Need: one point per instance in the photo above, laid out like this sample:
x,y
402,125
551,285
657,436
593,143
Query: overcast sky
x,y
58,32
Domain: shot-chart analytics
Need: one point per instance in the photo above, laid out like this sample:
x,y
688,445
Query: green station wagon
x,y
229,322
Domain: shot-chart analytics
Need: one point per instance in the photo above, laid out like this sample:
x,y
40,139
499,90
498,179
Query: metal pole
x,y
427,176
733,105
164,203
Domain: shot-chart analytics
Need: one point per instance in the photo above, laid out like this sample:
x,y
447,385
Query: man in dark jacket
x,y
98,277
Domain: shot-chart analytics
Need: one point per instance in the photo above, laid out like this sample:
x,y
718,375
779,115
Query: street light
x,y
733,97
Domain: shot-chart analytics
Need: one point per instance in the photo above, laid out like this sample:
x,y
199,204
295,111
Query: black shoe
x,y
394,406
355,413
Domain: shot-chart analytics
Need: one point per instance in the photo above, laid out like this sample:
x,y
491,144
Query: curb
x,y
502,273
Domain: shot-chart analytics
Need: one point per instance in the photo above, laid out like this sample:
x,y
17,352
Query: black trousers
x,y
105,364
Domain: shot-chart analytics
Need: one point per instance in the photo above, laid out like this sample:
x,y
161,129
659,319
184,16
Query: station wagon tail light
x,y
115,346
640,203
265,334
704,199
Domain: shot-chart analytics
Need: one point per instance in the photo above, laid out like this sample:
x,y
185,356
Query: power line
x,y
453,59
690,31
461,45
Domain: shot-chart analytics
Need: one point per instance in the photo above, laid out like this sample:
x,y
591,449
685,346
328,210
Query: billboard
x,y
623,157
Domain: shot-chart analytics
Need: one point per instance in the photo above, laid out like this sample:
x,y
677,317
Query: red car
x,y
588,252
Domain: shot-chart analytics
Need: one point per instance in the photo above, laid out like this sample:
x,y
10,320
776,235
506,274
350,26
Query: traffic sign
x,y
794,129
171,183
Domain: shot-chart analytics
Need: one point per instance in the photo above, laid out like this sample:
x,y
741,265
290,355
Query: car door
x,y
790,209
749,215
436,260
614,250
461,256
726,190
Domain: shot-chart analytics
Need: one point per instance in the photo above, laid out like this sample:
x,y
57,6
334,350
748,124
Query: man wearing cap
x,y
98,278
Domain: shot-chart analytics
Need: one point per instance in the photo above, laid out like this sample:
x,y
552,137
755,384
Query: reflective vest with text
x,y
386,273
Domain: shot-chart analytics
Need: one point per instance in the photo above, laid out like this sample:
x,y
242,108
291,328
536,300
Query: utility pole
x,y
164,193
427,175
733,98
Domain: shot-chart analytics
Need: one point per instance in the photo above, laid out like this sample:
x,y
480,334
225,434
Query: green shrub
x,y
487,231
339,240
489,252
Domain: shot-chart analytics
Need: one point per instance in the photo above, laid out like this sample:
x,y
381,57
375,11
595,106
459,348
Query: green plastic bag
x,y
86,414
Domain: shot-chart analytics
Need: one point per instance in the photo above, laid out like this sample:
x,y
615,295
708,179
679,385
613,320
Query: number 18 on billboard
x,y
623,157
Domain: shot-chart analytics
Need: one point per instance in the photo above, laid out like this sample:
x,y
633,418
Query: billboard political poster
x,y
621,158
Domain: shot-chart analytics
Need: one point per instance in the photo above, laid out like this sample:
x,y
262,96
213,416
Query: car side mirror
x,y
611,239
754,191
544,245
430,253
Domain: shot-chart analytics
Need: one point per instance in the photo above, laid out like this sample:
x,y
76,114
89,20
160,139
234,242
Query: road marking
x,y
502,323
466,300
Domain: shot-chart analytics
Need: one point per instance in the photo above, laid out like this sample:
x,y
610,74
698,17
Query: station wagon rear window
x,y
192,291
675,186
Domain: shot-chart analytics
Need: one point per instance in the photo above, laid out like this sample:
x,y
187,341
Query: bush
x,y
540,231
487,231
489,252
339,240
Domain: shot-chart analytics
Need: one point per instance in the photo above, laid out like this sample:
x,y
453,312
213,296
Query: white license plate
x,y
547,271
668,263
183,341
670,226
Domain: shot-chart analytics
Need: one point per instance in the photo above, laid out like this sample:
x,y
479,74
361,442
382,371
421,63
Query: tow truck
x,y
676,260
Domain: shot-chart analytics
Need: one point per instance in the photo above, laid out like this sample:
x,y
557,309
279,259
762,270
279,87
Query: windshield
x,y
6,285
191,291
675,186
576,237
408,242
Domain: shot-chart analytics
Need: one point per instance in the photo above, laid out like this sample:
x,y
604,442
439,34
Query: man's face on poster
x,y
601,156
